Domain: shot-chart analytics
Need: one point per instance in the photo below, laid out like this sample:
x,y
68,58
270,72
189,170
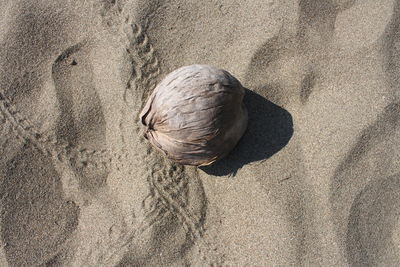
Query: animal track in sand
x,y
168,181
145,64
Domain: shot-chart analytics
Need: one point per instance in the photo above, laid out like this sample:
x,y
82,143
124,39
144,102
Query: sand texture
x,y
315,180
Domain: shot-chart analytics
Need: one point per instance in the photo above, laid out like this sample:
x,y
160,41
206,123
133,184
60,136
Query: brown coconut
x,y
196,115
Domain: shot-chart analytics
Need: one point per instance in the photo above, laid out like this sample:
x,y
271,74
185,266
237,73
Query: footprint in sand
x,y
81,124
36,219
373,235
45,184
365,193
36,205
82,96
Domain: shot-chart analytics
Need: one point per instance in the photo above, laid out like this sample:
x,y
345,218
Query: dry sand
x,y
315,181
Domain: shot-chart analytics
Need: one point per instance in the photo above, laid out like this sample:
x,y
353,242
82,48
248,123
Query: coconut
x,y
196,115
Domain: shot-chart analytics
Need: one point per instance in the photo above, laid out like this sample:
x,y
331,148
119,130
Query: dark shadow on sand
x,y
269,130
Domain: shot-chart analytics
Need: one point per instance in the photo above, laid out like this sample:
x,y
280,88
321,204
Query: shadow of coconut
x,y
269,129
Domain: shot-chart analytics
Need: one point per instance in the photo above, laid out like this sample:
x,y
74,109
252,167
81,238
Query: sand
x,y
315,180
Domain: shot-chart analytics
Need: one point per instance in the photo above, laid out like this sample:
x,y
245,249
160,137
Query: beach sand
x,y
315,180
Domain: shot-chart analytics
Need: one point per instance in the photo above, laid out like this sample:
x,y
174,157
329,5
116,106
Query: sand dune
x,y
313,182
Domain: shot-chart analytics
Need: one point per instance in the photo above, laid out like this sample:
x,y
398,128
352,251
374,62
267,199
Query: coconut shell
x,y
196,115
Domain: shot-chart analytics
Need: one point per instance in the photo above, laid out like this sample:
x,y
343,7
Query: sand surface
x,y
315,181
